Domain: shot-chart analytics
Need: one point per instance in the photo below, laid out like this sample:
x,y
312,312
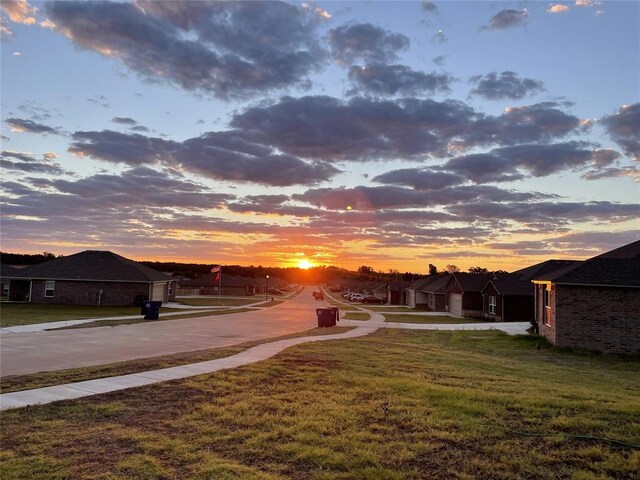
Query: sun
x,y
305,264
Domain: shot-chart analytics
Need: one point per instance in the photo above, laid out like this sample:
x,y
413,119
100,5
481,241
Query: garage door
x,y
455,303
158,292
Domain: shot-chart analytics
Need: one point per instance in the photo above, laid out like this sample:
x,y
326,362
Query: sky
x,y
388,134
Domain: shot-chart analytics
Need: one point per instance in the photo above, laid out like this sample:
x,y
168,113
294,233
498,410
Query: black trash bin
x,y
325,317
152,310
335,311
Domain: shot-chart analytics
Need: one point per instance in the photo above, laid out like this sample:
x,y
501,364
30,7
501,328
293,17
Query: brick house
x,y
6,271
510,297
91,277
594,305
435,294
464,293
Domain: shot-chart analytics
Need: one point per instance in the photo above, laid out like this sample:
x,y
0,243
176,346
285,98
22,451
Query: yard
x,y
392,405
222,301
403,318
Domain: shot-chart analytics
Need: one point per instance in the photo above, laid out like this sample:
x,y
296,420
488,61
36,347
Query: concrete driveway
x,y
24,353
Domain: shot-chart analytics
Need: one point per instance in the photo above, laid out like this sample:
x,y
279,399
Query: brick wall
x,y
546,328
86,293
603,319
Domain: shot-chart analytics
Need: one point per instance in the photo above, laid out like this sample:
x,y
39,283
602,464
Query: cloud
x,y
202,47
624,128
28,163
19,11
23,125
506,19
380,79
124,121
5,32
420,179
439,60
631,172
364,41
220,155
537,160
494,86
366,129
558,8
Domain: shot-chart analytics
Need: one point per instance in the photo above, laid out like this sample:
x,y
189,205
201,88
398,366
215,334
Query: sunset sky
x,y
388,134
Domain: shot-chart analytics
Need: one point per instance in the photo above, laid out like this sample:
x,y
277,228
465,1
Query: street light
x,y
266,291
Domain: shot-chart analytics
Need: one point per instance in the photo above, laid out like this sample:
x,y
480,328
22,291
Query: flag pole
x,y
220,286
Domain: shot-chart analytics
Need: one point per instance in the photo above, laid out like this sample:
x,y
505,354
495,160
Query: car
x,y
373,300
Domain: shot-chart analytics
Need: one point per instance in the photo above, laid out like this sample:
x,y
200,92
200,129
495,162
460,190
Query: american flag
x,y
217,269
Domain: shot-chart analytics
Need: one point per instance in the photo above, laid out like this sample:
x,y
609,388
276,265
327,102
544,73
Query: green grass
x,y
391,308
392,405
14,383
401,318
270,303
213,302
12,314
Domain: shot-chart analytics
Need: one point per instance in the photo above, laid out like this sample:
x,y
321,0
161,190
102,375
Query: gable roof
x,y
471,282
96,265
418,284
631,250
437,284
424,283
511,284
619,272
544,268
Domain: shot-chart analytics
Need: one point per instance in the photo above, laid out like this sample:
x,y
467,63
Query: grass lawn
x,y
391,308
213,302
401,318
12,314
392,405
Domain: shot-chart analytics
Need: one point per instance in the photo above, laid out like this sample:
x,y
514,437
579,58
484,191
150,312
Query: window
x,y
492,305
49,288
546,304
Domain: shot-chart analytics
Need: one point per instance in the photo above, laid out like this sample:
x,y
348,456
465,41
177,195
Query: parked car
x,y
373,300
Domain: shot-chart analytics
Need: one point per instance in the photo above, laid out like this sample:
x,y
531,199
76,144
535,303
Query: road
x,y
24,353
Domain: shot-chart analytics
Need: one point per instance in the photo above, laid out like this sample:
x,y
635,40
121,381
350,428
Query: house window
x,y
492,305
546,304
49,288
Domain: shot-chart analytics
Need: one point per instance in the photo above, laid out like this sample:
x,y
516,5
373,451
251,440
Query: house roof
x,y
543,268
96,265
418,284
424,283
7,270
511,285
621,272
632,250
471,282
437,284
398,285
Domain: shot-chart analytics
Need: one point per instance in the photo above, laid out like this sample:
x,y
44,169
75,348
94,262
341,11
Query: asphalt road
x,y
24,353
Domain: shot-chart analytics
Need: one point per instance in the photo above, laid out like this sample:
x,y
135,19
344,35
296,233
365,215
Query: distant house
x,y
594,305
418,295
464,293
435,293
91,277
397,292
6,271
510,297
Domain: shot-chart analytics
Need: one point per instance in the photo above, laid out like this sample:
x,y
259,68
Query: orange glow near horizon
x,y
305,264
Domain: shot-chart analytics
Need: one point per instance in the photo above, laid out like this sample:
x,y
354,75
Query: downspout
x,y
30,288
150,292
502,312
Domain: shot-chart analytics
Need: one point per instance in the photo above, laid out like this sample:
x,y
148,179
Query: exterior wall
x,y
490,291
603,319
422,300
545,317
411,298
86,293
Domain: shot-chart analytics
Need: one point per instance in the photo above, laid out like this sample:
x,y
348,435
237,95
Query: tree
x,y
433,270
478,270
452,269
365,269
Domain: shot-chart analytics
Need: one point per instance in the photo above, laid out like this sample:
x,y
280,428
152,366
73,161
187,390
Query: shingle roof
x,y
92,265
632,250
512,285
418,284
544,268
438,284
472,282
7,270
424,283
621,272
